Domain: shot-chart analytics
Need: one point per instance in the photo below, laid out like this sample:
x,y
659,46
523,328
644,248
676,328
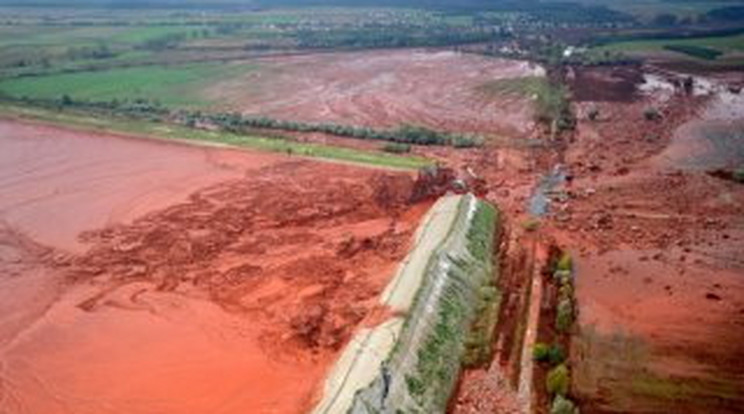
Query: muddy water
x,y
56,183
164,355
539,202
87,327
660,302
713,140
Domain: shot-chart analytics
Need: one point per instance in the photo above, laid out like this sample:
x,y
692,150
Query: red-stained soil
x,y
438,89
55,182
658,244
656,241
233,293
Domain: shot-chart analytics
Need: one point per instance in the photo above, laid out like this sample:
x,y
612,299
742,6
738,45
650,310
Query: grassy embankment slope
x,y
184,134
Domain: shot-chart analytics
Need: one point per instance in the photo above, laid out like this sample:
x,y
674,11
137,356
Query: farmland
x,y
725,44
177,86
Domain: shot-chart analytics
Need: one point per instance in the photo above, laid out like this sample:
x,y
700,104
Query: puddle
x,y
539,203
716,138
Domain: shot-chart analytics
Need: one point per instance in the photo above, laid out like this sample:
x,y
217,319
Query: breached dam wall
x,y
411,363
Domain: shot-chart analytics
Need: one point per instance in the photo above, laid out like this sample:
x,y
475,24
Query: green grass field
x,y
176,86
84,36
174,132
725,44
646,10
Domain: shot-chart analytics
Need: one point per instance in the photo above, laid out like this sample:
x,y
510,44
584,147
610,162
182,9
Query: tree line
x,y
144,109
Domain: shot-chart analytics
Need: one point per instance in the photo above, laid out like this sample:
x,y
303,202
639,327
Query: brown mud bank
x,y
232,293
660,280
438,89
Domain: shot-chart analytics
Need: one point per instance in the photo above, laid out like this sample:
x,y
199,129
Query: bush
x,y
562,405
564,315
566,289
553,355
652,114
562,277
531,225
465,142
558,380
565,263
593,114
397,148
739,175
540,352
556,355
66,100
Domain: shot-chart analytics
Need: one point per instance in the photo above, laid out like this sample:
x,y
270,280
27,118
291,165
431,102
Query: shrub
x,y
540,352
553,354
739,175
420,135
66,100
556,355
397,148
562,405
465,142
652,114
531,225
564,315
558,380
565,263
562,276
593,114
566,289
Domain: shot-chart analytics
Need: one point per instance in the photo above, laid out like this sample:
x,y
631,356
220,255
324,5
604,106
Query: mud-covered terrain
x,y
438,89
659,239
654,222
233,294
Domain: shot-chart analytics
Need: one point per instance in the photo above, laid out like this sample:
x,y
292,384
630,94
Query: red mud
x,y
659,272
55,182
234,299
657,245
439,89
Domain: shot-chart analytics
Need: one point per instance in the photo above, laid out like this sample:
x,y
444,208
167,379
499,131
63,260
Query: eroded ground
x,y
438,89
656,238
659,273
145,277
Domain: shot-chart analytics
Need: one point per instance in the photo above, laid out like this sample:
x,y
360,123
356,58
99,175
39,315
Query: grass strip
x,y
182,133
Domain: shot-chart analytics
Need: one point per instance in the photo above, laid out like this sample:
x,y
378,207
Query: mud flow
x,y
439,89
658,240
143,277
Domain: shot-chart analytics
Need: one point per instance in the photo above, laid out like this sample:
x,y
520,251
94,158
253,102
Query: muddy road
x,y
140,276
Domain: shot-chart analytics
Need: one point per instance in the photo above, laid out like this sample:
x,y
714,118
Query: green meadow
x,y
178,86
